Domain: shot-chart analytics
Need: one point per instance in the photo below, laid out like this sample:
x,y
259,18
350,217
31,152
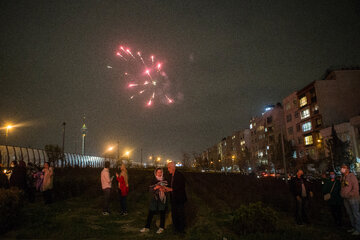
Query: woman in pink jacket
x,y
123,188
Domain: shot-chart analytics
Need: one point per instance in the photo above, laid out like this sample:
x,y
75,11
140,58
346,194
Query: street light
x,y
8,127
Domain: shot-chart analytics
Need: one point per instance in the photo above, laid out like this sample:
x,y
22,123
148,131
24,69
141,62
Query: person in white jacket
x,y
106,187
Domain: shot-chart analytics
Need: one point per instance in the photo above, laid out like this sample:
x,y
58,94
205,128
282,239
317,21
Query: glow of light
x,y
121,47
148,73
127,153
108,66
128,51
110,148
131,97
126,74
159,66
153,95
169,99
154,83
8,127
149,102
141,91
152,58
139,54
146,83
133,85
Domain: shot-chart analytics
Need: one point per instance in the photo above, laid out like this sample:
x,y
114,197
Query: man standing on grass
x,y
177,197
350,193
301,188
106,187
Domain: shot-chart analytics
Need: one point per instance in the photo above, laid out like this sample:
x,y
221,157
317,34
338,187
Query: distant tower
x,y
83,136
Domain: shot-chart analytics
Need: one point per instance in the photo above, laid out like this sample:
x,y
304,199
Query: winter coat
x,y
105,179
349,186
18,178
48,179
155,203
177,183
296,186
122,186
335,194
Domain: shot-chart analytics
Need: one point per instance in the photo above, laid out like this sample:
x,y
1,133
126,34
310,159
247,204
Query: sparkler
x,y
145,77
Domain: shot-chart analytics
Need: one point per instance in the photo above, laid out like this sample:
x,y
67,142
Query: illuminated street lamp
x,y
7,128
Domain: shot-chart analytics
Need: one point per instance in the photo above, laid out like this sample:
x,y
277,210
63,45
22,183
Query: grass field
x,y
213,198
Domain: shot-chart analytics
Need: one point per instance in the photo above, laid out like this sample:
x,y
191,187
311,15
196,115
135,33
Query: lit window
x,y
233,137
260,128
287,106
303,101
306,127
308,140
251,126
242,143
316,109
305,113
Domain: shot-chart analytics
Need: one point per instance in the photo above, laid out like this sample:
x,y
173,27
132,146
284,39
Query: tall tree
x,y
54,153
339,150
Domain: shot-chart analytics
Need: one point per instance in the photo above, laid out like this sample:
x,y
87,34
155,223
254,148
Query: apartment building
x,y
265,135
322,103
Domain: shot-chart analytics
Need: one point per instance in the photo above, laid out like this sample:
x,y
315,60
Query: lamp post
x,y
8,127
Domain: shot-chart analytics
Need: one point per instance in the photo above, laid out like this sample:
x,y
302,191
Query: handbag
x,y
328,195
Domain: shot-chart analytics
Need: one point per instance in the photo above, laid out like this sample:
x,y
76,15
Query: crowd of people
x,y
338,191
163,190
29,179
168,192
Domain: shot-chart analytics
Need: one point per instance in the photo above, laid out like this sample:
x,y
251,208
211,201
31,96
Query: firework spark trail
x,y
139,54
169,99
147,72
129,52
119,54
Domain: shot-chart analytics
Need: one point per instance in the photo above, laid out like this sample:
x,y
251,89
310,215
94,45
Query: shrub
x,y
11,203
254,217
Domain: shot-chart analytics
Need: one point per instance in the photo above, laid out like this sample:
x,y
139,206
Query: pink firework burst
x,y
145,78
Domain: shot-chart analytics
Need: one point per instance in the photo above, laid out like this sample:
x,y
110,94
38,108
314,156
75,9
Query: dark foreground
x,y
212,210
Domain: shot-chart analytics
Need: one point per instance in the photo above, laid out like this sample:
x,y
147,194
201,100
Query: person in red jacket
x,y
123,188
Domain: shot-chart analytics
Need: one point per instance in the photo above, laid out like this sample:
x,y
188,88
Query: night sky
x,y
225,61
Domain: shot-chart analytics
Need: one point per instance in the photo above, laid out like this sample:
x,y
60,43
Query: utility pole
x,y
141,157
283,155
118,152
63,145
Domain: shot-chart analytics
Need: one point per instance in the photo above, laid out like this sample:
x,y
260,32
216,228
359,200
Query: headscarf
x,y
161,182
162,174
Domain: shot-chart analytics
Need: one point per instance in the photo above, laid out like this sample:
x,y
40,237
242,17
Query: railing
x,y
40,156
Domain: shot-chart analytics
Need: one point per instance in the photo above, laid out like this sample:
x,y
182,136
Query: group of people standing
x,y
337,192
29,179
163,189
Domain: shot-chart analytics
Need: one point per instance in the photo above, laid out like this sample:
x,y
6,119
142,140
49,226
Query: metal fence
x,y
40,156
